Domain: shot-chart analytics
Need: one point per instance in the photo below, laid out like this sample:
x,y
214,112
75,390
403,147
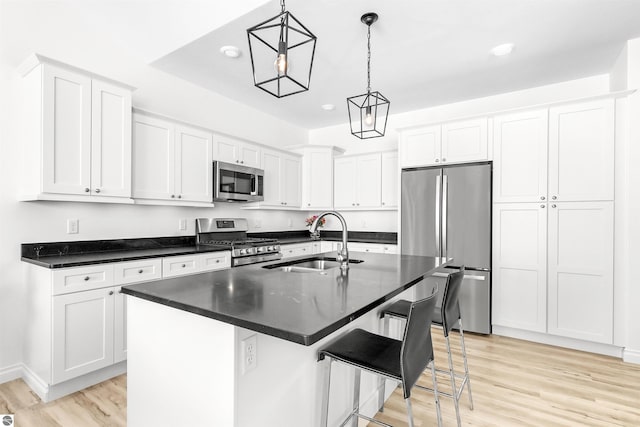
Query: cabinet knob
x,y
184,265
86,278
542,197
444,160
308,204
110,292
97,190
140,271
553,206
357,204
554,197
237,161
382,203
86,190
437,160
173,196
217,261
542,206
179,196
242,161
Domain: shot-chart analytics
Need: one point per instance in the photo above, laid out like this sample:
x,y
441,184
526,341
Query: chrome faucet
x,y
343,254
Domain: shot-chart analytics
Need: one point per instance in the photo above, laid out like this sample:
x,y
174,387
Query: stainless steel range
x,y
232,233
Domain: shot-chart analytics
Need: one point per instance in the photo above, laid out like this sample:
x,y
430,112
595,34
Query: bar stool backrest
x,y
450,304
417,348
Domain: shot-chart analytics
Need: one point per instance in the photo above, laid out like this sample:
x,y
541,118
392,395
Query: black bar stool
x,y
447,317
402,361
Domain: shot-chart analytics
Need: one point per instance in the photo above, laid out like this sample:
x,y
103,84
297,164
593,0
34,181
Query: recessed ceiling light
x,y
328,107
230,51
502,50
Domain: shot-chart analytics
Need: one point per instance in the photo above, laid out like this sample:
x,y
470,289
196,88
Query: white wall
x,y
59,30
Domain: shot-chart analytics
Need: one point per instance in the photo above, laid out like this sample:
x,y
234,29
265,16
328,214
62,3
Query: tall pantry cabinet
x,y
553,220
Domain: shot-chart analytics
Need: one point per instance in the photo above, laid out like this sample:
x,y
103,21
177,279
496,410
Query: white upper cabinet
x,y
77,135
464,141
420,147
453,142
282,180
317,176
172,163
581,151
232,150
520,157
358,182
390,175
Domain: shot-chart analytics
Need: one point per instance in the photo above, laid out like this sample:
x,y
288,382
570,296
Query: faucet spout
x,y
343,254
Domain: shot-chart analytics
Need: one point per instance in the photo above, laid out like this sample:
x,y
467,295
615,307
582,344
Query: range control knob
x,y
260,249
243,251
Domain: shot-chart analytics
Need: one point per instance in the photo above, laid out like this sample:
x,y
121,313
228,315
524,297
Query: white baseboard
x,y
10,373
572,343
631,356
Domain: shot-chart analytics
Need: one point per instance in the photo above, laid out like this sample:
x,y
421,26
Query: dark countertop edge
x,y
41,262
305,340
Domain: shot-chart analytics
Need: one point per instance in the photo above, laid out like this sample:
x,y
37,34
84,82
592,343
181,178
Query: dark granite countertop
x,y
75,254
298,307
79,253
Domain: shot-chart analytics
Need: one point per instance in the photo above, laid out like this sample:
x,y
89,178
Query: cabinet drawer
x,y
215,261
289,251
137,271
179,265
82,278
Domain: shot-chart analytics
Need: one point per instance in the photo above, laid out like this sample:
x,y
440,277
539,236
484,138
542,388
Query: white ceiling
x,y
424,52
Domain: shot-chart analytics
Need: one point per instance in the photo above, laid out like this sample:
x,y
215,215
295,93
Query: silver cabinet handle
x,y
542,197
553,206
179,196
86,190
554,197
437,160
86,279
140,271
542,206
110,292
444,160
97,190
184,265
173,196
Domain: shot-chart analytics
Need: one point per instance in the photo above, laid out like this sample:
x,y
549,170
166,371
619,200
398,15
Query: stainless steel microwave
x,y
237,183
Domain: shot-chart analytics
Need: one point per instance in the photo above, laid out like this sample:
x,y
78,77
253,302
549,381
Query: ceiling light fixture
x,y
230,51
502,50
370,110
328,107
281,51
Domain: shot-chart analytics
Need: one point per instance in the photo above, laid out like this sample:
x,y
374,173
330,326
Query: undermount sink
x,y
309,265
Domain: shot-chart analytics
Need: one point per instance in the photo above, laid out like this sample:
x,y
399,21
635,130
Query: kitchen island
x,y
238,347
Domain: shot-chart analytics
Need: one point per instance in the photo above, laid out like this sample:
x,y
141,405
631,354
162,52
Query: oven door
x,y
237,183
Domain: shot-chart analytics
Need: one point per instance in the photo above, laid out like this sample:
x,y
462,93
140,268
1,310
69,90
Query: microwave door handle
x,y
254,185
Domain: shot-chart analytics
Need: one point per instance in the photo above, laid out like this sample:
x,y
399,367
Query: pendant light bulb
x,y
368,117
281,64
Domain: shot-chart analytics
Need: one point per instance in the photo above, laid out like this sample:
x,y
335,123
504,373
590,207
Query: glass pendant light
x,y
281,51
368,112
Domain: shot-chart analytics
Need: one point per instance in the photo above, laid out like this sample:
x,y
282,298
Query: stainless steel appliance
x,y
232,234
237,183
446,212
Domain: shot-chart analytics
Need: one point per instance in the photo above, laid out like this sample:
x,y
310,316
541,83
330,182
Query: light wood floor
x,y
514,383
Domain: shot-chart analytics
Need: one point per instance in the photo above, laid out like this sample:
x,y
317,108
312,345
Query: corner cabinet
x,y
553,220
452,142
172,162
77,134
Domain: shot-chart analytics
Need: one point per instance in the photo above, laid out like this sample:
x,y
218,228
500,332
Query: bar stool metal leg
x,y
356,397
466,367
435,393
454,389
381,380
326,383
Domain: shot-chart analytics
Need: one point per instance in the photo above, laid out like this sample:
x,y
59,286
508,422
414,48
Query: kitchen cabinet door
x,y
519,266
110,140
297,249
420,147
233,150
272,163
83,331
581,270
282,180
581,151
317,178
119,326
520,157
369,181
464,141
193,164
291,182
390,174
344,190
66,133
153,158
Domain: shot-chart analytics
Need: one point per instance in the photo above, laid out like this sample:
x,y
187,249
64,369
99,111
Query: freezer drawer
x,y
475,298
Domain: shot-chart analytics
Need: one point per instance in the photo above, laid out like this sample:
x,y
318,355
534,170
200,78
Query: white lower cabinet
x,y
78,316
297,249
553,268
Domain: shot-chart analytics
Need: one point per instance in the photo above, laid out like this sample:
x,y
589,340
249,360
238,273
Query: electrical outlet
x,y
72,226
249,353
182,225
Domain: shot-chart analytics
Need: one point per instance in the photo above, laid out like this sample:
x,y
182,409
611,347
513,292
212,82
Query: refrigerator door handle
x,y
437,216
445,192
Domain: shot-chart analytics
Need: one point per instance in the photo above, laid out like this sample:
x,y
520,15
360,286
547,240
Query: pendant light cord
x,y
368,58
282,5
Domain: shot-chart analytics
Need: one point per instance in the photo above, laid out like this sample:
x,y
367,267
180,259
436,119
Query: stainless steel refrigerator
x,y
446,212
